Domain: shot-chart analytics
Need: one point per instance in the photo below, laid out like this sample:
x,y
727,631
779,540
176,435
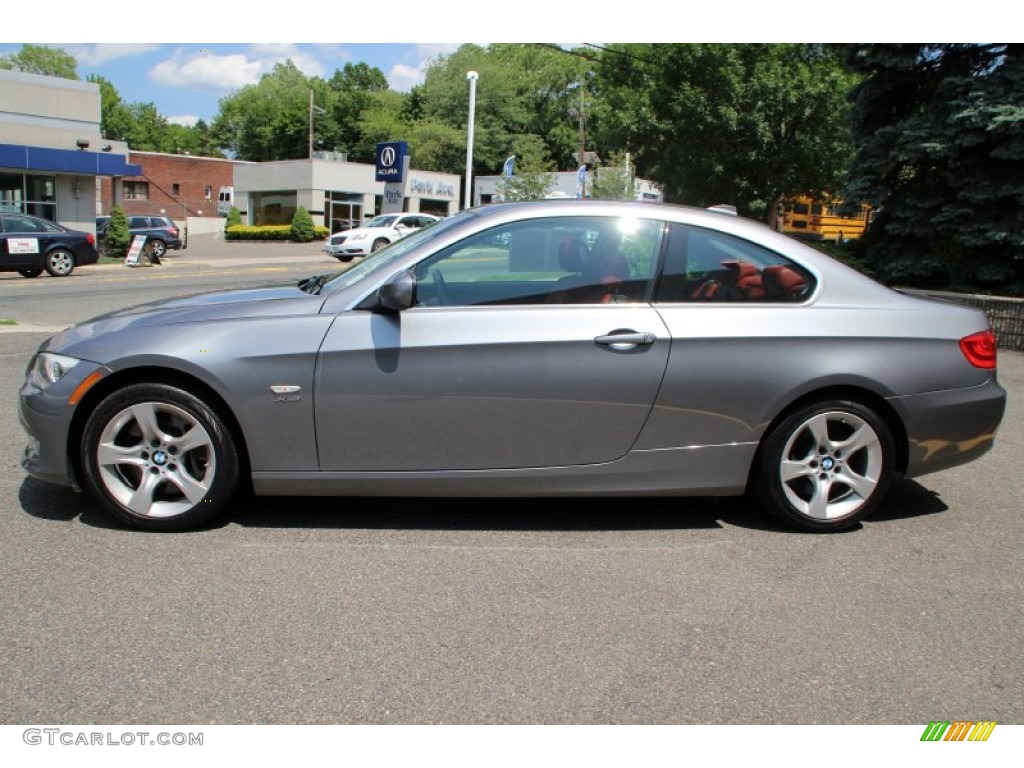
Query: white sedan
x,y
375,234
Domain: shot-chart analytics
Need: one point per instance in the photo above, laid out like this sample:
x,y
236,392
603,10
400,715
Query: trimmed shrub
x,y
234,217
117,238
302,226
281,232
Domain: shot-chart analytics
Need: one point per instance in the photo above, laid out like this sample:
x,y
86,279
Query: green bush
x,y
234,217
303,230
279,232
118,238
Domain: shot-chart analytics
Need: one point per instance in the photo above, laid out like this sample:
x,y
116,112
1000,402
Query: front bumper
x,y
47,416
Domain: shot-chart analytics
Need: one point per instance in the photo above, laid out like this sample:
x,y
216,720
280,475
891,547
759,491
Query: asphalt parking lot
x,y
364,611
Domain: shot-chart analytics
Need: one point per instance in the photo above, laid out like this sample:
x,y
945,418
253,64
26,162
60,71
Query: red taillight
x,y
173,230
89,237
980,349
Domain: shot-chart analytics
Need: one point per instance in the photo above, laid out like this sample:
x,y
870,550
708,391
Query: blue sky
x,y
125,42
186,80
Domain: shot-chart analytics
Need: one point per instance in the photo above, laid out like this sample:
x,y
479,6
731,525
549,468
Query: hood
x,y
271,300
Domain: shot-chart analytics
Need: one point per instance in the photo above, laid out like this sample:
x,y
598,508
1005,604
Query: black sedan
x,y
28,245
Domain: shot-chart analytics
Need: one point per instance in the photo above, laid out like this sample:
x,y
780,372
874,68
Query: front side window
x,y
562,260
705,265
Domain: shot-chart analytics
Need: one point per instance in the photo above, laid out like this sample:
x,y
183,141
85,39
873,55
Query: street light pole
x,y
472,77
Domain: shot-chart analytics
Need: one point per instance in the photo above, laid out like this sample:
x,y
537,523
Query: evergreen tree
x,y
303,230
118,238
939,131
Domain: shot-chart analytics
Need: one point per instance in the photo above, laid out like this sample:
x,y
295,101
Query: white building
x,y
52,154
485,188
338,194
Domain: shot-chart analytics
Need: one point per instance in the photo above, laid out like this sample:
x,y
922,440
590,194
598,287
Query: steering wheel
x,y
440,288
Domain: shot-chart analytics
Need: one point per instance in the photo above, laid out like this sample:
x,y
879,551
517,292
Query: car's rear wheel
x,y
159,247
59,262
378,244
30,272
159,458
825,466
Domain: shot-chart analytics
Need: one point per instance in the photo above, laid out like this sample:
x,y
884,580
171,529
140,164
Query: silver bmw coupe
x,y
558,348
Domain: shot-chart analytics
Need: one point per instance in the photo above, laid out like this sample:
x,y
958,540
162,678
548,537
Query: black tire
x,y
825,467
30,272
378,244
344,259
159,248
59,262
159,458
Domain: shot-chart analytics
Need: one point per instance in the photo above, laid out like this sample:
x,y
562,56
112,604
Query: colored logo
x,y
958,730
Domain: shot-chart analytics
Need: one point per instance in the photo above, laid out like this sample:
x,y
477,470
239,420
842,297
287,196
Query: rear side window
x,y
703,265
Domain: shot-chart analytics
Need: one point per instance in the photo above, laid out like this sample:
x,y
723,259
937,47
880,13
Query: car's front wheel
x,y
378,244
825,466
159,457
59,262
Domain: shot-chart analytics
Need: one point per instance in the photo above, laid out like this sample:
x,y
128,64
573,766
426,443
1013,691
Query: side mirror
x,y
397,294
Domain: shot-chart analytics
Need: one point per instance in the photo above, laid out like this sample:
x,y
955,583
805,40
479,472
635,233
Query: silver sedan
x,y
559,348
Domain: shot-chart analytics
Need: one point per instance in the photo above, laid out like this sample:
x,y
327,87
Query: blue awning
x,y
25,158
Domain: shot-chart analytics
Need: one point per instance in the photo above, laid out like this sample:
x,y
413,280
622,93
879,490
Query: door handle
x,y
624,340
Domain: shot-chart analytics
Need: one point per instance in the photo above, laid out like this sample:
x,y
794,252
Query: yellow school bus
x,y
818,219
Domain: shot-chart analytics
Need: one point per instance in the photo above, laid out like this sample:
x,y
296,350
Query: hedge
x,y
281,232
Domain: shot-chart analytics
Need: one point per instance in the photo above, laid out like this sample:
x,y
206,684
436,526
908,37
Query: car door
x,y
489,372
24,242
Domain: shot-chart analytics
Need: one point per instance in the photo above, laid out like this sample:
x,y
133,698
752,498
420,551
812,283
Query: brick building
x,y
179,186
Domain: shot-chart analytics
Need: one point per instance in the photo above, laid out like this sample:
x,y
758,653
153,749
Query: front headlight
x,y
48,368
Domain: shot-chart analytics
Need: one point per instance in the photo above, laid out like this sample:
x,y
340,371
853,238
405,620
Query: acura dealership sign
x,y
390,161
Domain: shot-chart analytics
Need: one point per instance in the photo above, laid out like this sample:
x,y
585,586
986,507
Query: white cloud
x,y
97,54
186,120
402,77
269,54
207,71
224,73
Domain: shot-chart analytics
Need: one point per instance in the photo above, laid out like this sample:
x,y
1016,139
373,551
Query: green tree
x,y
727,123
270,119
532,178
522,90
42,60
939,131
303,230
116,118
234,217
118,238
614,179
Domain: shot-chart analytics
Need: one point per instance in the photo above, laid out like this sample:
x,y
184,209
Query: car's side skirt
x,y
719,470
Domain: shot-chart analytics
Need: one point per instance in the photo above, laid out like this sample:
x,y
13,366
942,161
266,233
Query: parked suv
x,y
161,232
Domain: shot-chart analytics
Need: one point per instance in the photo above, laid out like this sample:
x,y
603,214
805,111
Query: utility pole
x,y
312,108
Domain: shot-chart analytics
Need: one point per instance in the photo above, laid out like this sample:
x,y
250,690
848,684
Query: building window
x,y
208,192
272,207
176,190
135,190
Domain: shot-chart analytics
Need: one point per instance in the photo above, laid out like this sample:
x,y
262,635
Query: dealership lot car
x,y
560,348
162,234
29,245
375,234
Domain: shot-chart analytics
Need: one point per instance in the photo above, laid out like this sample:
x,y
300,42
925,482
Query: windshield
x,y
382,258
381,221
